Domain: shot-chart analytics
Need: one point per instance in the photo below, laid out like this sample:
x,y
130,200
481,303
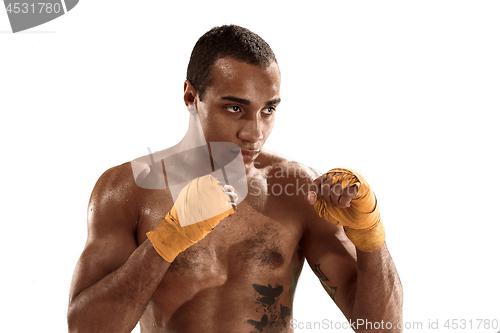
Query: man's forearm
x,y
379,296
116,303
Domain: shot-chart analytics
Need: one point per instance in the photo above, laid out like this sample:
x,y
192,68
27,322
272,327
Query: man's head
x,y
226,41
239,89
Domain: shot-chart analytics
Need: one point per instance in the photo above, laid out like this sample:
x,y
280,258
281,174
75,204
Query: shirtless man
x,y
241,276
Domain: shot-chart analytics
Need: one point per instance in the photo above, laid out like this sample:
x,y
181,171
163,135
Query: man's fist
x,y
344,198
333,190
201,205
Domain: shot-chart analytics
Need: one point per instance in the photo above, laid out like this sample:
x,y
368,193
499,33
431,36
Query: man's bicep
x,y
101,256
332,257
111,235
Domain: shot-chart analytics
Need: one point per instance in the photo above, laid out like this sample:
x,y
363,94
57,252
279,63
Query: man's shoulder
x,y
117,176
114,202
117,183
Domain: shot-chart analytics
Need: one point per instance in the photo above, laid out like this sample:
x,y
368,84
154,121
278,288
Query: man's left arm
x,y
362,279
379,296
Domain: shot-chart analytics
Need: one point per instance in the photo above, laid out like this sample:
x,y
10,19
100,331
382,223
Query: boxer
x,y
235,265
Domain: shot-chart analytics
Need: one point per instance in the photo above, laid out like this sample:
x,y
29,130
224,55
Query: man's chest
x,y
261,236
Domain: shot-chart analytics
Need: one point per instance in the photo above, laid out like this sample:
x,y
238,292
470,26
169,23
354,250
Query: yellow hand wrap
x,y
361,221
195,208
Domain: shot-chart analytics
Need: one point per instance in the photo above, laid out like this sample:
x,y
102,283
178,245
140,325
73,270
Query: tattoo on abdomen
x,y
274,317
322,277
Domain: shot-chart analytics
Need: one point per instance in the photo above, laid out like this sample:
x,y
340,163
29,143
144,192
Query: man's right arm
x,y
114,278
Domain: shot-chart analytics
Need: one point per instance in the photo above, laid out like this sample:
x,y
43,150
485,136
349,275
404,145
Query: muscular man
x,y
239,273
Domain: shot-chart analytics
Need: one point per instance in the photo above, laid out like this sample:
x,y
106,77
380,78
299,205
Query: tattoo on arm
x,y
332,291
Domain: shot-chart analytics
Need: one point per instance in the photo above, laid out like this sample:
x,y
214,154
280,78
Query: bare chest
x,y
260,237
241,275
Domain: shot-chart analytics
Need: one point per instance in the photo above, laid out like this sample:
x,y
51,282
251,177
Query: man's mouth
x,y
249,155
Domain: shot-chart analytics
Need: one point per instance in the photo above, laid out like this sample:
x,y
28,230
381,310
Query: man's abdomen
x,y
233,306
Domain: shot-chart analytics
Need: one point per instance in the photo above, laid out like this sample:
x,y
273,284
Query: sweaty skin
x,y
241,276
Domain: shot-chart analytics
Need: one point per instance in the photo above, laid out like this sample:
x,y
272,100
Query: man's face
x,y
239,106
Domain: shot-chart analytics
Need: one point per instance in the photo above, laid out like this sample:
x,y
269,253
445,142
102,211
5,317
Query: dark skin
x,y
241,276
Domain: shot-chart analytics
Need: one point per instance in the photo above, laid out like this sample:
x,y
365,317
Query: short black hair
x,y
225,41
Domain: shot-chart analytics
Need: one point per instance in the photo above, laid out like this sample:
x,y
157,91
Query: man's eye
x,y
233,108
269,110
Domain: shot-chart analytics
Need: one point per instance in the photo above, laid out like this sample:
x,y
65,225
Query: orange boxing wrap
x,y
361,221
198,201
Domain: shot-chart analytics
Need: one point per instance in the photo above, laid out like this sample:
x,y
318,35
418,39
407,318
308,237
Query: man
x,y
235,271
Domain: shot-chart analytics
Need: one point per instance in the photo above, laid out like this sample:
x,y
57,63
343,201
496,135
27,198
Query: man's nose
x,y
252,130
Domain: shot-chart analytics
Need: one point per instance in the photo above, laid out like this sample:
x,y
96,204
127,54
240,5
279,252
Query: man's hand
x,y
201,205
344,198
229,191
332,192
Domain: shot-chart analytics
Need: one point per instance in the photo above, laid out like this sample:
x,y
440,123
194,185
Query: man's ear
x,y
189,93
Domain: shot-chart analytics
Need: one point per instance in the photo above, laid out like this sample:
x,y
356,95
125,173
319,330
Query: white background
x,y
404,92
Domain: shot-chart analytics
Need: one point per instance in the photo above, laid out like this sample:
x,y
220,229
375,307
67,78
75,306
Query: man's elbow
x,y
74,322
72,327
